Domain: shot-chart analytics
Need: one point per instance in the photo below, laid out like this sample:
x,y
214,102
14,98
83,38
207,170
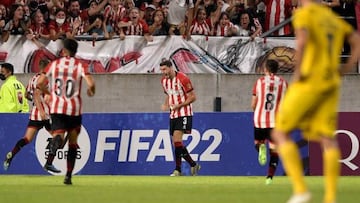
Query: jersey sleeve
x,y
346,27
300,19
163,79
254,88
107,11
186,83
85,68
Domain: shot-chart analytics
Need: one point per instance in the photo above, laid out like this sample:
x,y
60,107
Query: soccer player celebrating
x,y
65,75
311,101
268,92
39,116
180,95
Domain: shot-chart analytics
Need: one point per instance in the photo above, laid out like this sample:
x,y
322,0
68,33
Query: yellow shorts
x,y
312,111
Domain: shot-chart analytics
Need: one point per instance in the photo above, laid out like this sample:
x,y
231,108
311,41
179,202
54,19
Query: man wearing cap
x,y
12,92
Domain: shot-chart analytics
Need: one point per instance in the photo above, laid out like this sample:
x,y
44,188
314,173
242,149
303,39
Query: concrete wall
x,y
143,92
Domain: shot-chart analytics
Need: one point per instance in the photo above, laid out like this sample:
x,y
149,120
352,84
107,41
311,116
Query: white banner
x,y
135,55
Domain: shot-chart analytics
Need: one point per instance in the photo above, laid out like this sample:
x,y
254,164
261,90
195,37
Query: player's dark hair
x,y
9,67
166,63
272,66
71,45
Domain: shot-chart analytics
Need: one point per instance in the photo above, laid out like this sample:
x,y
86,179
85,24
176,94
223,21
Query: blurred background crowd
x,y
106,19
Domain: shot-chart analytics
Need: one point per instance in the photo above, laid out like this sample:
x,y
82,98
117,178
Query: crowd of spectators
x,y
56,19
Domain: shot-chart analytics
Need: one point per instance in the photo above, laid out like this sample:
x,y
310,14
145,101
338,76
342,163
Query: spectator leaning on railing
x,y
97,27
248,26
79,19
16,24
133,25
59,28
159,26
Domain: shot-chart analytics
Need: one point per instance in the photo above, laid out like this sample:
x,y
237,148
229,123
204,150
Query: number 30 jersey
x,y
269,90
65,77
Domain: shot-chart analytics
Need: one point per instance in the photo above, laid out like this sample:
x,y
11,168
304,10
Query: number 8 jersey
x,y
269,90
65,77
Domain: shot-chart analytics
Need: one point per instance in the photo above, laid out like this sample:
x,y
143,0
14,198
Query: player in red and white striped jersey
x,y
65,76
39,116
179,98
268,92
41,108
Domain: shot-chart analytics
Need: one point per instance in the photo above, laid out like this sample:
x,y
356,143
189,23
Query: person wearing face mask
x,y
59,28
12,92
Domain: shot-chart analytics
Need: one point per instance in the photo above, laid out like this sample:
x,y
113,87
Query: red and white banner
x,y
134,55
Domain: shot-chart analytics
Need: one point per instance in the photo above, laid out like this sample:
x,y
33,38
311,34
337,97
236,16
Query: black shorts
x,y
262,133
62,122
39,124
182,123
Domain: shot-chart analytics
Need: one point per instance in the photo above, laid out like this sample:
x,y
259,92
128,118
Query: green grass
x,y
162,189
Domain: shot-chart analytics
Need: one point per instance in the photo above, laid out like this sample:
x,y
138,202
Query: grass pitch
x,y
162,189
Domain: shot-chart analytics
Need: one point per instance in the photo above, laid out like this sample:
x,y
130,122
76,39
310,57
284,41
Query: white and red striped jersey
x,y
276,12
140,28
177,89
269,90
65,76
83,17
223,30
203,28
114,16
30,89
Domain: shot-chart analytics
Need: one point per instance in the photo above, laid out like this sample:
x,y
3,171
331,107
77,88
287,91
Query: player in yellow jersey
x,y
311,101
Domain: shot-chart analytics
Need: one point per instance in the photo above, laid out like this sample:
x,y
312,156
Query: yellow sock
x,y
292,163
331,173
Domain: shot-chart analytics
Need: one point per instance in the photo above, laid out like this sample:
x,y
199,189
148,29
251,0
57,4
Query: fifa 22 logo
x,y
348,161
60,153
